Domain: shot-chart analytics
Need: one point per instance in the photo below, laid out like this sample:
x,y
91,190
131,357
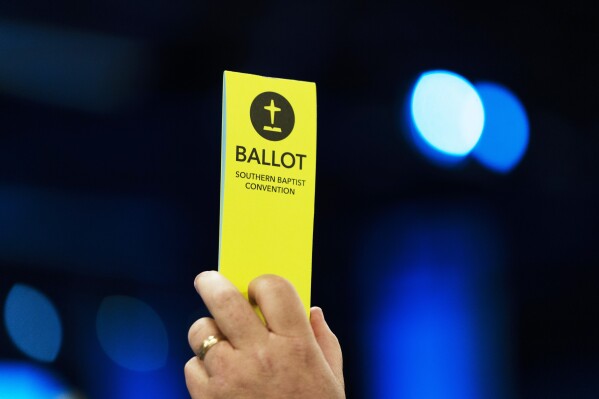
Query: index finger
x,y
231,311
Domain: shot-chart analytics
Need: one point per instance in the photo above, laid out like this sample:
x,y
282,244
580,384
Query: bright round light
x,y
33,323
27,381
505,136
131,333
447,112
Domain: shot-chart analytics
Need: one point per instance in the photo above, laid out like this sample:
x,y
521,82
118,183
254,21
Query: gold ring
x,y
207,344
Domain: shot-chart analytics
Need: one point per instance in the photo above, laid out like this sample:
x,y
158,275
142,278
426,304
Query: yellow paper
x,y
268,171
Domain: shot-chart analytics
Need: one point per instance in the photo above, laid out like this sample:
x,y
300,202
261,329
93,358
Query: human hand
x,y
291,357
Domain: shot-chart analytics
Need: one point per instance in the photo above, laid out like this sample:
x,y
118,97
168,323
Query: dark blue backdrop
x,y
440,282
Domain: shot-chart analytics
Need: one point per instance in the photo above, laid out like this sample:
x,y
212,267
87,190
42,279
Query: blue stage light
x,y
426,339
33,323
505,135
447,113
132,334
432,284
26,381
163,383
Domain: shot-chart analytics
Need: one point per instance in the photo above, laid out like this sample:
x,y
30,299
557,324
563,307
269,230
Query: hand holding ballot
x,y
268,174
238,356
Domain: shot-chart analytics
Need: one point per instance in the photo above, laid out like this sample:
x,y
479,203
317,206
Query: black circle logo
x,y
272,116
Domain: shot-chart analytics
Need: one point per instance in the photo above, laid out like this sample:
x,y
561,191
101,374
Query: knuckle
x,y
214,358
224,296
198,330
188,368
265,362
218,360
300,348
277,284
335,340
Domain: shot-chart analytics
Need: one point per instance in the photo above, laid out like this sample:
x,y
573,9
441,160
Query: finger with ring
x,y
200,330
207,344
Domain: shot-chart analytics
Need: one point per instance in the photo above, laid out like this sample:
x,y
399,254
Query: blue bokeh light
x,y
33,323
163,383
447,113
132,334
429,326
434,303
26,381
505,135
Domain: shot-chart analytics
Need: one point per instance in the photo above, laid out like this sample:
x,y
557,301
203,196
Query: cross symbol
x,y
272,109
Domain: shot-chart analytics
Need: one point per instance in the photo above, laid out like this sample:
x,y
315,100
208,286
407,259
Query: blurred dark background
x,y
440,280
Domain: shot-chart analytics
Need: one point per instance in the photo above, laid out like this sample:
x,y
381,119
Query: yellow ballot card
x,y
268,171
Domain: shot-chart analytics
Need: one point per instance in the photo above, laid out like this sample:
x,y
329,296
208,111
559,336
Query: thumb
x,y
328,342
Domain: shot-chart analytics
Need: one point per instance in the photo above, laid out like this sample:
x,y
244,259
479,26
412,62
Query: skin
x,y
289,357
